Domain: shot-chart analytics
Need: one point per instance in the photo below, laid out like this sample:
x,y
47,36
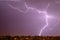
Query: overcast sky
x,y
15,22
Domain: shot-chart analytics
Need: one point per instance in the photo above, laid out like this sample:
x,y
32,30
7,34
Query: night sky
x,y
14,22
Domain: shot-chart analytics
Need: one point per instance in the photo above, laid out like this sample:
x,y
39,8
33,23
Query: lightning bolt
x,y
44,12
46,17
16,8
28,8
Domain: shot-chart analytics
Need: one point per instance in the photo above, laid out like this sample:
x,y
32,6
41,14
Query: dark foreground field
x,y
29,37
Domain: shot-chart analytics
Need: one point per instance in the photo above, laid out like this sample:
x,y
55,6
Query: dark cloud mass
x,y
14,22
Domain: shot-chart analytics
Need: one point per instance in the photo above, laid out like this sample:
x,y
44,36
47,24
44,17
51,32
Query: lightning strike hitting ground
x,y
46,16
38,11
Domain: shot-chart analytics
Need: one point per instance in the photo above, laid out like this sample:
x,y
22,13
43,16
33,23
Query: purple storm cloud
x,y
30,17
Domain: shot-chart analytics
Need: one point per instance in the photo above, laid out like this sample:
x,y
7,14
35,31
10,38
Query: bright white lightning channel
x,y
28,8
44,12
